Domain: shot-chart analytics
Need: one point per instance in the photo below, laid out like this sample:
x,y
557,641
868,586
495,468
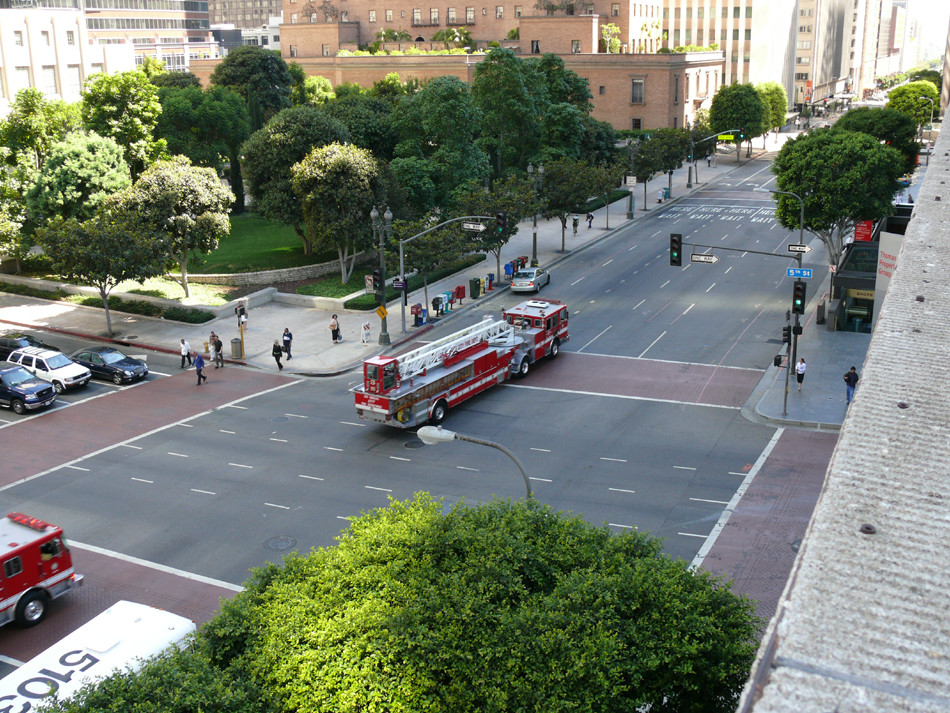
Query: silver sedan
x,y
530,279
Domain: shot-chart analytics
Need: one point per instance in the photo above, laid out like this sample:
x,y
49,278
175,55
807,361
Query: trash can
x,y
236,351
777,360
473,286
820,315
666,192
509,270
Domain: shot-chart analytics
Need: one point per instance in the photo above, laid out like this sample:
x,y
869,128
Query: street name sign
x,y
699,257
798,248
799,272
475,227
399,284
726,137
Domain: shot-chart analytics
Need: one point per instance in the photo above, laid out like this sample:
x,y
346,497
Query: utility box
x,y
473,286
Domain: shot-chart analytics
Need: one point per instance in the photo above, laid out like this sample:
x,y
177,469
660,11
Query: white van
x,y
57,368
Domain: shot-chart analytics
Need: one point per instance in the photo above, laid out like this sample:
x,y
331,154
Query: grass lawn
x,y
210,295
257,244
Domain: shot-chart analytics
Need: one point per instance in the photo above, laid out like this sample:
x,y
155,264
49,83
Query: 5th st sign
x,y
699,257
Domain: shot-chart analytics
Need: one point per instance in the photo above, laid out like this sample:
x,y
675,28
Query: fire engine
x,y
421,385
37,567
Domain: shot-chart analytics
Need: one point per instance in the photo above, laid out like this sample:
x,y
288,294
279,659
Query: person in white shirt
x,y
800,372
185,353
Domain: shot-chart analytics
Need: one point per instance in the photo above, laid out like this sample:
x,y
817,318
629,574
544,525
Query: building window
x,y
615,9
45,35
49,80
73,80
676,89
676,14
470,15
676,38
450,16
803,60
575,46
275,38
265,40
735,35
801,77
22,75
293,20
805,29
293,50
602,90
518,11
688,34
804,45
636,123
748,11
344,16
18,38
666,13
499,12
97,67
484,11
699,13
735,11
636,90
416,16
326,50
389,16
372,16
535,47
805,13
402,14
748,35
70,37
433,16
675,123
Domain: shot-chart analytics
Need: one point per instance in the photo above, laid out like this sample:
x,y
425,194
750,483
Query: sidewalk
x,y
315,355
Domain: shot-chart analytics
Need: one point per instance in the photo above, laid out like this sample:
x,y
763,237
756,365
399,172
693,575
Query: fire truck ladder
x,y
418,360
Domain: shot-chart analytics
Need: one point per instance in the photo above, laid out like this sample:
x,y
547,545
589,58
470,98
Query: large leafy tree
x,y
777,103
113,246
567,184
647,159
598,141
125,108
368,121
307,89
672,147
79,175
337,186
842,177
561,85
179,80
13,215
907,100
271,152
34,124
738,107
430,252
499,607
185,204
894,128
260,76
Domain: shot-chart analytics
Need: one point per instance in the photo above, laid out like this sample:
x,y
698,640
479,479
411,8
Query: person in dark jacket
x,y
199,362
277,352
850,380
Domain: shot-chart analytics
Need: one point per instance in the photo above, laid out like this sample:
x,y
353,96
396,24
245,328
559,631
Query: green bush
x,y
596,203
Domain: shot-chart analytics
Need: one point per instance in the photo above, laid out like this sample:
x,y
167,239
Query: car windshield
x,y
58,361
112,357
16,377
524,275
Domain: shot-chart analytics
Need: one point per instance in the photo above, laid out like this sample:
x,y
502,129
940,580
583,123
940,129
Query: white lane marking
x,y
732,472
609,327
350,423
625,527
294,415
273,505
309,477
542,450
621,396
543,480
734,501
158,567
143,480
656,233
203,492
621,490
673,361
651,344
241,465
632,247
185,425
689,308
715,502
243,408
407,460
463,467
331,448
614,460
727,271
147,434
608,262
76,467
690,534
764,168
384,490
221,430
724,236
664,284
576,281
127,445
683,467
177,455
279,440
638,304
342,517
710,287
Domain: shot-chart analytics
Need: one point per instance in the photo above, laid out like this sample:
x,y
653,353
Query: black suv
x,y
17,340
22,391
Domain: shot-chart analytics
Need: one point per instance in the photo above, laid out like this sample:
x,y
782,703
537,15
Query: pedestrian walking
x,y
850,380
276,351
185,353
365,336
590,219
709,161
288,338
800,372
335,330
218,351
241,312
211,349
199,365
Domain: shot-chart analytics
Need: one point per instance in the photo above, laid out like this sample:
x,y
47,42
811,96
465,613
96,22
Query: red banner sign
x,y
863,230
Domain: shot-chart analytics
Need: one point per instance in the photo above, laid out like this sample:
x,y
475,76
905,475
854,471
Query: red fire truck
x,y
37,567
422,385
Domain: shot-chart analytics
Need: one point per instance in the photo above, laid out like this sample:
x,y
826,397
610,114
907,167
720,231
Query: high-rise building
x,y
244,14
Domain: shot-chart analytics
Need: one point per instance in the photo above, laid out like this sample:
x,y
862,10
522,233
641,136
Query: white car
x,y
57,368
530,279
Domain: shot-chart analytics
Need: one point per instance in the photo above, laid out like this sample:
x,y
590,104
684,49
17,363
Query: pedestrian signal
x,y
786,334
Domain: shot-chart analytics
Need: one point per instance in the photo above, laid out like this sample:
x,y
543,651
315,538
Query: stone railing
x,y
269,277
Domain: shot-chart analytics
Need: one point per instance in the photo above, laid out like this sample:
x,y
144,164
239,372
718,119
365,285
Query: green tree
x,y
368,121
113,246
179,80
388,35
337,186
457,36
673,148
13,186
842,177
152,67
894,128
498,607
907,100
269,154
260,76
568,183
738,107
647,158
414,175
307,89
557,83
609,38
777,103
605,179
185,204
80,173
598,141
125,108
926,75
430,252
34,124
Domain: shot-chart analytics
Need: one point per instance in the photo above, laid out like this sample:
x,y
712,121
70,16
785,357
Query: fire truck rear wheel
x,y
555,347
438,412
31,609
524,367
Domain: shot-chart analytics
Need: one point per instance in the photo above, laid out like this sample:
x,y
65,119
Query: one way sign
x,y
699,257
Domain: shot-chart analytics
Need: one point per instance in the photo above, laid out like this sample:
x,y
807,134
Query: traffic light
x,y
798,297
501,223
786,334
741,134
377,280
676,249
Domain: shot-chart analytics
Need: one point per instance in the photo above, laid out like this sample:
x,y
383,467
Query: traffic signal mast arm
x,y
738,250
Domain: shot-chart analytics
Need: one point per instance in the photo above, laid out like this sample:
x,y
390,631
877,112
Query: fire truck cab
x,y
37,568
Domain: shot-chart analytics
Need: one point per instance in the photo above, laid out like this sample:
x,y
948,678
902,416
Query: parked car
x,y
10,341
21,391
530,279
61,371
109,363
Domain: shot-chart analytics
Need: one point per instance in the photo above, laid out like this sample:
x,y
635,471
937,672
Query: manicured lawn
x,y
257,244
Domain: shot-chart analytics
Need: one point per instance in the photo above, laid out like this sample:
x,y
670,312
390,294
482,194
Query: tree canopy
x,y
888,125
34,124
260,76
907,100
777,103
738,107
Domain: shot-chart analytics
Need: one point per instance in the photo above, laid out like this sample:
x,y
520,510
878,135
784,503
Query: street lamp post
x,y
931,123
538,184
384,229
634,147
433,435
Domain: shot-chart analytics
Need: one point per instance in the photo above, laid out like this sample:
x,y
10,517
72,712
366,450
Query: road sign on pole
x,y
382,312
699,257
798,272
474,227
798,248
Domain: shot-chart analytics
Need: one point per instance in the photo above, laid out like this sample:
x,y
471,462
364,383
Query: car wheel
x,y
59,387
438,412
117,378
555,347
31,609
524,367
18,407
